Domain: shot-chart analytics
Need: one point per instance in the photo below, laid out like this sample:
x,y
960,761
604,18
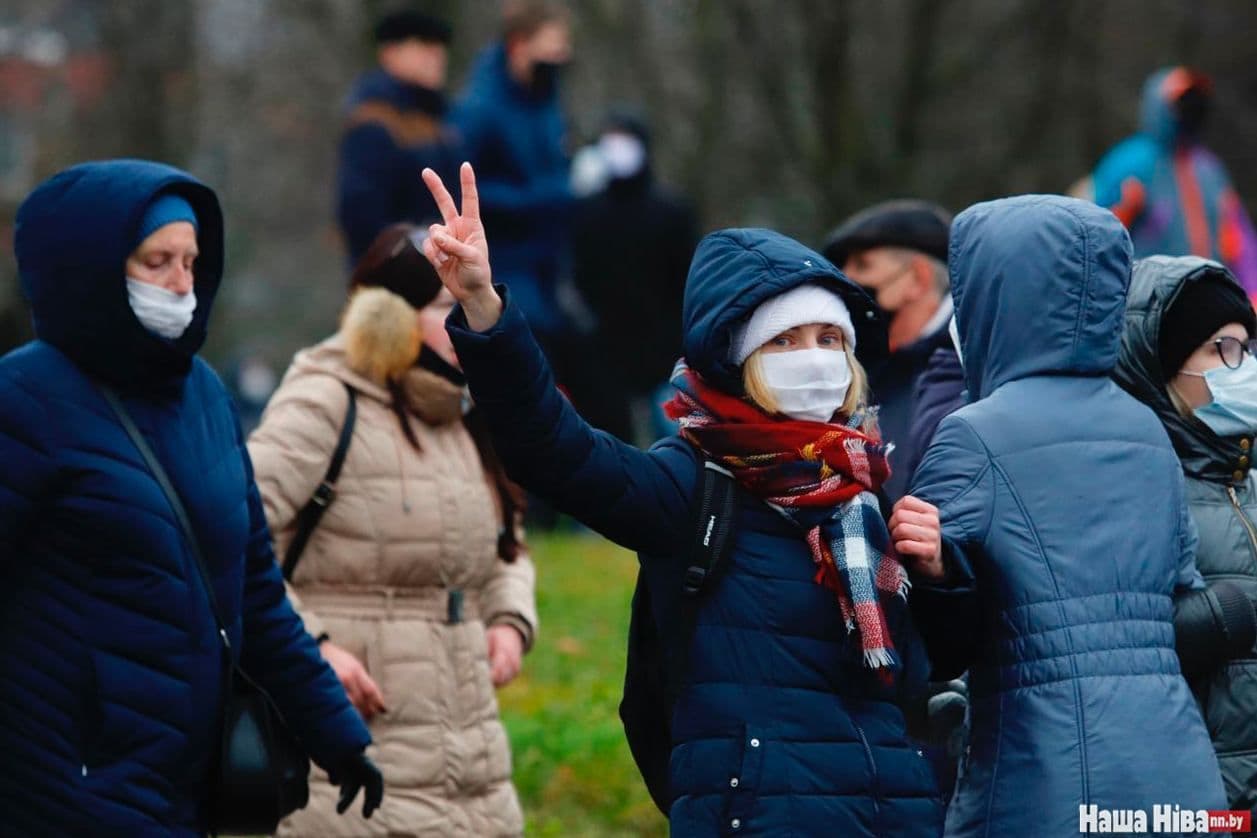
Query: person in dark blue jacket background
x,y
512,127
788,722
1067,538
111,667
897,251
395,125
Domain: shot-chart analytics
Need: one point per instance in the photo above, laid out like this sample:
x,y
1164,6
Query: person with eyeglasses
x,y
1188,352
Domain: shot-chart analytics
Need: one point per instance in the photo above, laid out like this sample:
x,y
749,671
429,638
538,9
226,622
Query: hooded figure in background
x,y
631,249
1186,318
1171,192
1066,538
111,664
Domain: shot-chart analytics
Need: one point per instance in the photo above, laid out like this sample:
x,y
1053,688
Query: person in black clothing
x,y
395,126
897,251
631,249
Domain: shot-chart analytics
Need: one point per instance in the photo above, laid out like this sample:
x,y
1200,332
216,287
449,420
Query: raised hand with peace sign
x,y
459,251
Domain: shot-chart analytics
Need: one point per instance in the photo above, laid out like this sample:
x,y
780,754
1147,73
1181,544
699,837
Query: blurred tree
x,y
790,114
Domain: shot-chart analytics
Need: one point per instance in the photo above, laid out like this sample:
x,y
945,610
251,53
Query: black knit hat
x,y
1203,306
917,225
406,24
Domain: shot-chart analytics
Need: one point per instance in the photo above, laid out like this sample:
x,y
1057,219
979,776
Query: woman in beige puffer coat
x,y
415,580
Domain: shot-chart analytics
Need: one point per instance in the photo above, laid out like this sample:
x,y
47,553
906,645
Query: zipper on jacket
x,y
868,753
1248,525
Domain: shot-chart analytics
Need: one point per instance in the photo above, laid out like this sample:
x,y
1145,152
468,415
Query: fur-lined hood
x,y
380,340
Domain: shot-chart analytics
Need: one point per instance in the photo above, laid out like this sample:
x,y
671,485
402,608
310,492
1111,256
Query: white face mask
x,y
623,154
809,384
954,331
162,312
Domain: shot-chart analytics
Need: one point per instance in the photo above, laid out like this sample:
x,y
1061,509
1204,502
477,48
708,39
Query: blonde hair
x,y
758,391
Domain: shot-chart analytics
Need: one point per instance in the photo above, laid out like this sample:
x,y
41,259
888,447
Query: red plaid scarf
x,y
805,468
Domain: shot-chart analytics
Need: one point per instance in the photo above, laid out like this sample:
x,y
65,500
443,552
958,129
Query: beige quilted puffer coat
x,y
406,527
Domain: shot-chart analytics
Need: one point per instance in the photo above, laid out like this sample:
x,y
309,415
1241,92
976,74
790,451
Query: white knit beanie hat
x,y
799,306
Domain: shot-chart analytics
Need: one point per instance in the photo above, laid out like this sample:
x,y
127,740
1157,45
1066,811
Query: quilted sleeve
x,y
27,461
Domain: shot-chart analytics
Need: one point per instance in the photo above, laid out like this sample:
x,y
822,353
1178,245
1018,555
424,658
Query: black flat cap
x,y
406,24
917,225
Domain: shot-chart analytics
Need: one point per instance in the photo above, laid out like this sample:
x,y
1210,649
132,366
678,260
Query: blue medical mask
x,y
1233,411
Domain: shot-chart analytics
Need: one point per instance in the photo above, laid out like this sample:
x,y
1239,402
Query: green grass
x,y
572,766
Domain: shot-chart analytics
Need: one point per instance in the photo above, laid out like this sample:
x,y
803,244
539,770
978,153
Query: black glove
x,y
1213,626
946,711
358,772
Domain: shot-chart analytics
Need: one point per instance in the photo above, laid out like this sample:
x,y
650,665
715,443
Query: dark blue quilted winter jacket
x,y
110,664
780,731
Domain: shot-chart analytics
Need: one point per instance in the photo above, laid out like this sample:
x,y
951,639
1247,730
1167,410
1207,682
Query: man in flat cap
x,y
897,251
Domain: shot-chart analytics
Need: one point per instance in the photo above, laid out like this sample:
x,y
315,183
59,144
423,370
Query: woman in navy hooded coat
x,y
1067,539
111,667
782,727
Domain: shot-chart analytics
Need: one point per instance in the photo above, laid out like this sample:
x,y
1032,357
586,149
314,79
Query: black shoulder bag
x,y
656,667
310,515
261,771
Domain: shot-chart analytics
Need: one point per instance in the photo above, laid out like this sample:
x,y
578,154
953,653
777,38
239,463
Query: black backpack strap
x,y
713,538
310,515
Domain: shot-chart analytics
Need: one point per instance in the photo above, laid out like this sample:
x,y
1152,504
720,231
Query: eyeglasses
x,y
1231,350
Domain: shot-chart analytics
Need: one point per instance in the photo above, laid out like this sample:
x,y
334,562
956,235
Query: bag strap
x,y
713,537
310,515
172,497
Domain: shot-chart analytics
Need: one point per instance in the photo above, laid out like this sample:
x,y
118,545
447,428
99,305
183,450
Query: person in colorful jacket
x,y
1171,192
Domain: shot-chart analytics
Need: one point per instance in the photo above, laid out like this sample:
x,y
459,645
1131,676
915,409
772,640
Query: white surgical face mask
x,y
162,312
954,331
624,154
809,384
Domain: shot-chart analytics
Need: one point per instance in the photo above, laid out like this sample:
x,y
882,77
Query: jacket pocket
x,y
744,786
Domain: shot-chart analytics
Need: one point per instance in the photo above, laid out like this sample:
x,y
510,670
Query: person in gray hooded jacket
x,y
1187,353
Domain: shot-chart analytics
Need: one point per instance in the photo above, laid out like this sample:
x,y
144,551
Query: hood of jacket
x,y
1155,283
72,239
1039,285
1157,117
735,270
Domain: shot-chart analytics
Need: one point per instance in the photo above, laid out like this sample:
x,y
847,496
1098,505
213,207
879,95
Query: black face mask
x,y
545,78
431,102
435,364
1192,108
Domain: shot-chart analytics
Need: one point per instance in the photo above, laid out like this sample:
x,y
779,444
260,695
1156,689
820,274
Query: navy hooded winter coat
x,y
110,664
515,139
780,730
1062,502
